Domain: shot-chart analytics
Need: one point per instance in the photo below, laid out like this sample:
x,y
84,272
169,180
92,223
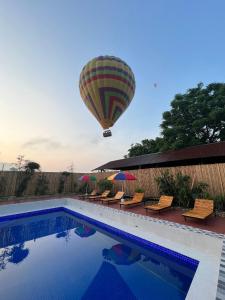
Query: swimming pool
x,y
60,254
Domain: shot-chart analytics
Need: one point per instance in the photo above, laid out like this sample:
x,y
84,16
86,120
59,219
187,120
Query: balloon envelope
x,y
107,86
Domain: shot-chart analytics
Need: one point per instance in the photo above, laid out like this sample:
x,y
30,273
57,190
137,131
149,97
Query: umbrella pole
x,y
86,189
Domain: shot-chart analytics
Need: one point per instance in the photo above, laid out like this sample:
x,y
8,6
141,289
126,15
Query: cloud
x,y
48,143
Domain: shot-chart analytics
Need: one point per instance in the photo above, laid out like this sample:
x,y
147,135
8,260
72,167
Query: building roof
x,y
200,154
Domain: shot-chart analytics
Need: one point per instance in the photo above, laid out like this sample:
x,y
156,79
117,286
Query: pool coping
x,y
68,202
220,294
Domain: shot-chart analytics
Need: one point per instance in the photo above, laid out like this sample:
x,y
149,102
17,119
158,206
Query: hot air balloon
x,y
107,86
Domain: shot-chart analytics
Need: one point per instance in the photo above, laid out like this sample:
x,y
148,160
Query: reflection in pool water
x,y
15,255
84,231
59,256
106,280
121,254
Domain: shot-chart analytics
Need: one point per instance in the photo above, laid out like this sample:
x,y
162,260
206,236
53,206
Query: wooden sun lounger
x,y
83,196
203,208
137,199
165,202
116,198
99,197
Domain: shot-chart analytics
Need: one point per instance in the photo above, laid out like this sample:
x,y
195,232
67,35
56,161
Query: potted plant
x,y
139,190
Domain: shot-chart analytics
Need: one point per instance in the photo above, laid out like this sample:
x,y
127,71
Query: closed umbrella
x,y
87,178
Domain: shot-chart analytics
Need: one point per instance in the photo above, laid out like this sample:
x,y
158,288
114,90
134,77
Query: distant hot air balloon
x,y
107,86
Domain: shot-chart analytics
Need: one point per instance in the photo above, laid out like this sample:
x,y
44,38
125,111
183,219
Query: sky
x,y
45,44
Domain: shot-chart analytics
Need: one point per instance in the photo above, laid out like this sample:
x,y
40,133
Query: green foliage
x,y
2,185
180,186
139,190
196,117
23,183
105,184
219,202
42,185
74,187
145,147
62,181
199,190
166,183
65,173
25,176
31,167
84,188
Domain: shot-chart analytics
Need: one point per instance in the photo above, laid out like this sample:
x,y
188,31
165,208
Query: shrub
x,y
139,190
180,186
23,183
25,176
105,184
62,181
2,185
31,166
219,202
166,183
74,187
42,185
84,188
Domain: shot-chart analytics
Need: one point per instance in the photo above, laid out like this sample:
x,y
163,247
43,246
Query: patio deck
x,y
215,224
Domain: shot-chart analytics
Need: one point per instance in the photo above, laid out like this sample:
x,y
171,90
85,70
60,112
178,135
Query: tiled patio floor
x,y
216,224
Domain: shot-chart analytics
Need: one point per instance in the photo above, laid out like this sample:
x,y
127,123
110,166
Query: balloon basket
x,y
107,133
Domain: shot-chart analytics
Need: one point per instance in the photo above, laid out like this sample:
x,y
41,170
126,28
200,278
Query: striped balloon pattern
x,y
107,86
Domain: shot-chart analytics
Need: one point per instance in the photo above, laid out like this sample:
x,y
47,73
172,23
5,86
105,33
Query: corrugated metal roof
x,y
200,154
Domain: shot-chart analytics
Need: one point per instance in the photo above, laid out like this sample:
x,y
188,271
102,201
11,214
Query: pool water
x,y
59,256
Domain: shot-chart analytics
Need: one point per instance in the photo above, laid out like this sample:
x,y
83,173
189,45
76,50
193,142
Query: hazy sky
x,y
44,45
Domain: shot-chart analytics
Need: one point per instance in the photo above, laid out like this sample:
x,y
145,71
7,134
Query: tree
x,y
62,181
42,185
31,166
196,117
145,147
25,175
